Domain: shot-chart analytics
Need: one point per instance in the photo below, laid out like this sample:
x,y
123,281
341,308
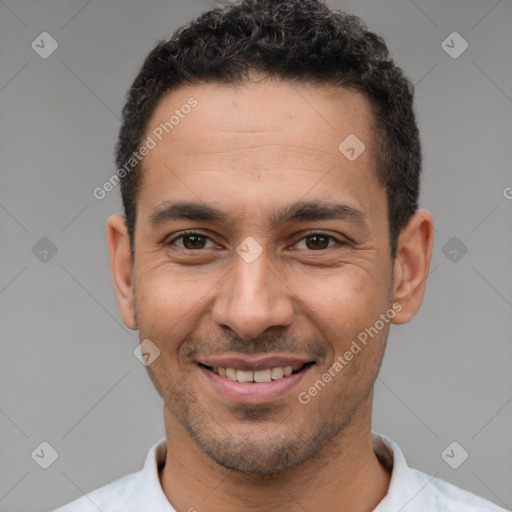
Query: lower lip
x,y
254,392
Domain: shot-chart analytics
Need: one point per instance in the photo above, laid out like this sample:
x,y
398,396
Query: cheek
x,y
338,302
344,301
163,289
168,306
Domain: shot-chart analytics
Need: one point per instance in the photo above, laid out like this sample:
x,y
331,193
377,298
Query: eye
x,y
319,241
190,240
315,241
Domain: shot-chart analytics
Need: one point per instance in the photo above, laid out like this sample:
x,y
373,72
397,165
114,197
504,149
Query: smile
x,y
262,375
250,382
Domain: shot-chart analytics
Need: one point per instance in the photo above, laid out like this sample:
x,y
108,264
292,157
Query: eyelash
x,y
320,233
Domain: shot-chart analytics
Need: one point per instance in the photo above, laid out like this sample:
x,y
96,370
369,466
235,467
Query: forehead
x,y
257,140
313,116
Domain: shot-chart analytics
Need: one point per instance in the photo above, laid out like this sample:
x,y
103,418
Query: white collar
x,y
408,487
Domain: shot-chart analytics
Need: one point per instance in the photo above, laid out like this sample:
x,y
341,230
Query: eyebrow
x,y
298,211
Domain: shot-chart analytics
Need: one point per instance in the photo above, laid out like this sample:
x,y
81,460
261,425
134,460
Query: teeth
x,y
263,376
243,376
266,375
231,374
277,373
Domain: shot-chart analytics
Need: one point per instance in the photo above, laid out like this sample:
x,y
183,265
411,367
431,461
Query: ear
x,y
121,266
412,265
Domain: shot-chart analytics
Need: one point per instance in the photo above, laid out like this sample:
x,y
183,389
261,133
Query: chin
x,y
263,454
253,462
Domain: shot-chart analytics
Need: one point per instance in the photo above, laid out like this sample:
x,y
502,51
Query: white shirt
x,y
410,490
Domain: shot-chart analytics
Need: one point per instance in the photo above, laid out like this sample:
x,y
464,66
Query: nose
x,y
252,297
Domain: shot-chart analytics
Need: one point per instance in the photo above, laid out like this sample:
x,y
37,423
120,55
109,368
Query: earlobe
x,y
121,266
412,265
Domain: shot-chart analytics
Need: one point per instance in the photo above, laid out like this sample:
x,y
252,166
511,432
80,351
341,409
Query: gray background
x,y
68,374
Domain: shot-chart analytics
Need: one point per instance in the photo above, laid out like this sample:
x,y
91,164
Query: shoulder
x,y
134,491
442,496
109,498
412,490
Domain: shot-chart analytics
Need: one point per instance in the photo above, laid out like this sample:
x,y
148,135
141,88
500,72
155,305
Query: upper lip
x,y
254,363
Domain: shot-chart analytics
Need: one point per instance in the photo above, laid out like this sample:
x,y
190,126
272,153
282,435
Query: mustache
x,y
193,347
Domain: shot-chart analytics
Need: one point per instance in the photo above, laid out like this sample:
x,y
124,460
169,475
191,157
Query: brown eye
x,y
190,241
318,241
193,241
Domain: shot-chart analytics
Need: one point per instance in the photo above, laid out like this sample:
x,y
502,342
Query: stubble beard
x,y
262,454
276,452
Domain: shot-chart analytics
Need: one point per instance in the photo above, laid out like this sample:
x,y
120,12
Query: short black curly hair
x,y
295,40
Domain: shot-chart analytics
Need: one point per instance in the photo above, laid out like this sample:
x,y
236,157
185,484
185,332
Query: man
x,y
270,162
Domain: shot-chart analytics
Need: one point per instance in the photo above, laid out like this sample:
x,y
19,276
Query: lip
x,y
248,363
254,392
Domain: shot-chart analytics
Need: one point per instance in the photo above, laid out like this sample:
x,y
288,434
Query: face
x,y
281,259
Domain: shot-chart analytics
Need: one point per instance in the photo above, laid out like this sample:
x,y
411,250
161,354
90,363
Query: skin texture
x,y
249,150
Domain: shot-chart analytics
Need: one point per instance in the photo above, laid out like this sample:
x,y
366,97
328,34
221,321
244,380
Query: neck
x,y
346,474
